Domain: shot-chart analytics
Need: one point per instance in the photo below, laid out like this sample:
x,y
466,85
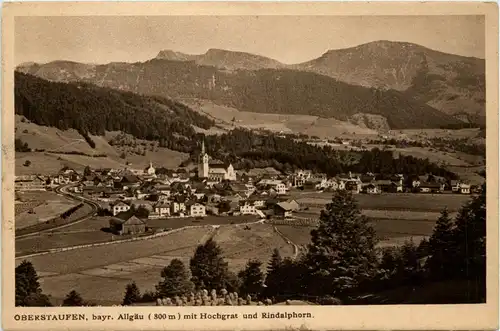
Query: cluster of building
x,y
216,189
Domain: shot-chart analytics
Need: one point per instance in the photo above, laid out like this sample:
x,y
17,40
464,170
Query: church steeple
x,y
203,147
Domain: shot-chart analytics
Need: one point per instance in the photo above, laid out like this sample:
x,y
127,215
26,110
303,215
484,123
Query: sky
x,y
288,39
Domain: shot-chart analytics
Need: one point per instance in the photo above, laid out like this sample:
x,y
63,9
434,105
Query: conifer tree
x,y
132,294
252,279
441,247
28,291
470,239
274,276
208,268
175,280
342,250
73,299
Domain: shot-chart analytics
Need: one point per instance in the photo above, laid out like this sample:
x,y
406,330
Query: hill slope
x,y
262,91
223,59
450,83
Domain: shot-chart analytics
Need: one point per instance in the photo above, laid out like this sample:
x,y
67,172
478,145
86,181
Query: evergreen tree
x,y
208,267
274,276
132,294
252,279
441,246
470,239
342,250
73,299
175,280
28,291
87,171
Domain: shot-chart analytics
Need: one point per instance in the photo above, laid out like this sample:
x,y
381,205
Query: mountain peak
x,y
171,55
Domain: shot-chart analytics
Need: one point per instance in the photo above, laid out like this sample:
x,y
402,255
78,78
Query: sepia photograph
x,y
275,162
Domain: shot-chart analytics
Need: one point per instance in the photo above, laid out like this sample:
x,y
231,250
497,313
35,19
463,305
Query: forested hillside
x,y
91,109
260,91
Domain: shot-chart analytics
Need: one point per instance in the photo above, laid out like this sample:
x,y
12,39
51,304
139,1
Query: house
x,y
160,210
300,177
247,208
283,209
29,183
127,224
197,210
257,202
277,185
130,181
177,207
119,207
371,189
460,187
353,186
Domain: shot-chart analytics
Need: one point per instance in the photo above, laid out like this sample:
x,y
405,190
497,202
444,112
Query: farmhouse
x,y
283,209
127,224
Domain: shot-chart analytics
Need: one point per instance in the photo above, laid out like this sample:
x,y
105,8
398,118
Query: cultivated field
x,y
38,207
112,267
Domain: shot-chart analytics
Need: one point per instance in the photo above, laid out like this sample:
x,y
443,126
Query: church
x,y
214,172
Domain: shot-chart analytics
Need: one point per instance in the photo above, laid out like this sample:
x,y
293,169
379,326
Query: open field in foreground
x,y
111,267
38,207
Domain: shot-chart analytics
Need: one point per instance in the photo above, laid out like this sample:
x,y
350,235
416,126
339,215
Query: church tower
x,y
203,162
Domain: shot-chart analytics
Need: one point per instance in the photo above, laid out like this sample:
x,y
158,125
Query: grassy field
x,y
396,201
305,124
112,267
240,244
47,205
55,140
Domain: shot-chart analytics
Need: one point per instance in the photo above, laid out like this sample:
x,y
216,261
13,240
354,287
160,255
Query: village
x,y
133,196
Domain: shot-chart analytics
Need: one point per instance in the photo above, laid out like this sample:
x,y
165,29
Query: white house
x,y
177,207
161,209
247,208
119,207
197,210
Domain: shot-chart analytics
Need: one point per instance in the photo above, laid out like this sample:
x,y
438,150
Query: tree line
x,y
341,265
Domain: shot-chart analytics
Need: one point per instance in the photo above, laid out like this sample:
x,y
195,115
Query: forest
x,y
91,109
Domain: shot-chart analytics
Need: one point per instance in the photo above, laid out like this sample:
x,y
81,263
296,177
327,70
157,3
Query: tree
x,y
441,247
27,163
208,268
342,250
132,294
470,239
274,277
175,280
252,279
87,171
28,291
73,299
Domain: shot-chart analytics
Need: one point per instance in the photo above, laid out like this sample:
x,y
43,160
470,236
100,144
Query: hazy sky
x,y
289,39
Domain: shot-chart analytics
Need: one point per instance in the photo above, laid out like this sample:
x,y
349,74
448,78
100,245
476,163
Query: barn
x,y
127,225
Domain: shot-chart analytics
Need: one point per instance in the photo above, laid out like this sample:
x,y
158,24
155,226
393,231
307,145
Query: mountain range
x,y
408,84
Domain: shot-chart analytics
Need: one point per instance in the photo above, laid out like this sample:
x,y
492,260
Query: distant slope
x,y
262,91
223,59
450,83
